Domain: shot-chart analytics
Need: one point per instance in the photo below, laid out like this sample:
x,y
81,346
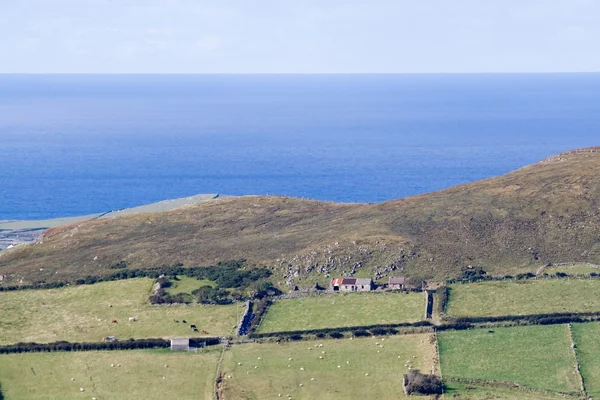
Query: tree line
x,y
130,344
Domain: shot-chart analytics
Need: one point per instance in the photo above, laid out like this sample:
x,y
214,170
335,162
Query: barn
x,y
180,344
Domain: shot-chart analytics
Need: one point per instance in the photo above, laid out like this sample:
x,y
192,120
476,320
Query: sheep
x,y
290,359
321,357
81,389
339,366
367,374
259,358
302,369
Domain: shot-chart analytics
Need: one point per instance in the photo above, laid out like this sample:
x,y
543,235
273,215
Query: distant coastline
x,y
14,233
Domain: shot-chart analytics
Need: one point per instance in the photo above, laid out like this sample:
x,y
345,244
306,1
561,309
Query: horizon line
x,y
307,73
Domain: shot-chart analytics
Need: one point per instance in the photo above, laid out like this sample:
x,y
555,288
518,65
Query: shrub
x,y
361,333
379,331
416,382
336,334
443,299
119,265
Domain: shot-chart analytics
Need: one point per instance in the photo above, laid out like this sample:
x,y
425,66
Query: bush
x,y
416,382
361,333
379,331
443,299
336,334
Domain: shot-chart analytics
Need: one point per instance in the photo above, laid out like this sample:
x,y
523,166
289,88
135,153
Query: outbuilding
x,y
180,344
352,284
397,283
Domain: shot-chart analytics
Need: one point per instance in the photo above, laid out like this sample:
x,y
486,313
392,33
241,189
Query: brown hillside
x,y
545,212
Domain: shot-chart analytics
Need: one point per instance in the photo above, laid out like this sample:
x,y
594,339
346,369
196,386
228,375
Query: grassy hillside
x,y
348,369
485,299
532,356
85,313
109,375
546,212
338,310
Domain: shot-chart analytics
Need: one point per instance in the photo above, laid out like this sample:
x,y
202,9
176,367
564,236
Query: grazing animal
x,y
184,321
114,321
192,326
176,320
203,331
131,319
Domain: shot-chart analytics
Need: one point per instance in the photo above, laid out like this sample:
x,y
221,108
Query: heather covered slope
x,y
545,212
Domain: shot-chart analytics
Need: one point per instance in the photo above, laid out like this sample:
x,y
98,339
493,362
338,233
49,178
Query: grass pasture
x,y
532,356
586,337
185,284
544,296
471,392
47,376
277,374
339,310
84,313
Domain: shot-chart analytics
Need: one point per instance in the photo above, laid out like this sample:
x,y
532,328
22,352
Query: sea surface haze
x,y
80,144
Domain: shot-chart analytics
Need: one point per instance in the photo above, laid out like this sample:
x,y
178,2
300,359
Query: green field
x,y
84,313
544,296
277,374
586,337
48,376
533,356
471,392
341,310
186,284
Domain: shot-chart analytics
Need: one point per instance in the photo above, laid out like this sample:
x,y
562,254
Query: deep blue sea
x,y
79,144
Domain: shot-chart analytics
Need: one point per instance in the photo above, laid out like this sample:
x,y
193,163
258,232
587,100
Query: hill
x,y
547,212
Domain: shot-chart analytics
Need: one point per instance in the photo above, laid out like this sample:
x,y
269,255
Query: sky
x,y
299,36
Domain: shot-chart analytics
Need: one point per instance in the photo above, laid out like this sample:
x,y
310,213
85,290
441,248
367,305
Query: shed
x,y
397,283
180,344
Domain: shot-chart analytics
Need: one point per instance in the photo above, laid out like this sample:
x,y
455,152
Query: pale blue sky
x,y
299,36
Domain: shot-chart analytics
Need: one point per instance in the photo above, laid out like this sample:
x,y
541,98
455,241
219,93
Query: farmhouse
x,y
181,344
352,284
397,283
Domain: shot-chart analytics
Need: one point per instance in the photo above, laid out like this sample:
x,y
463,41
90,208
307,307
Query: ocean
x,y
79,144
